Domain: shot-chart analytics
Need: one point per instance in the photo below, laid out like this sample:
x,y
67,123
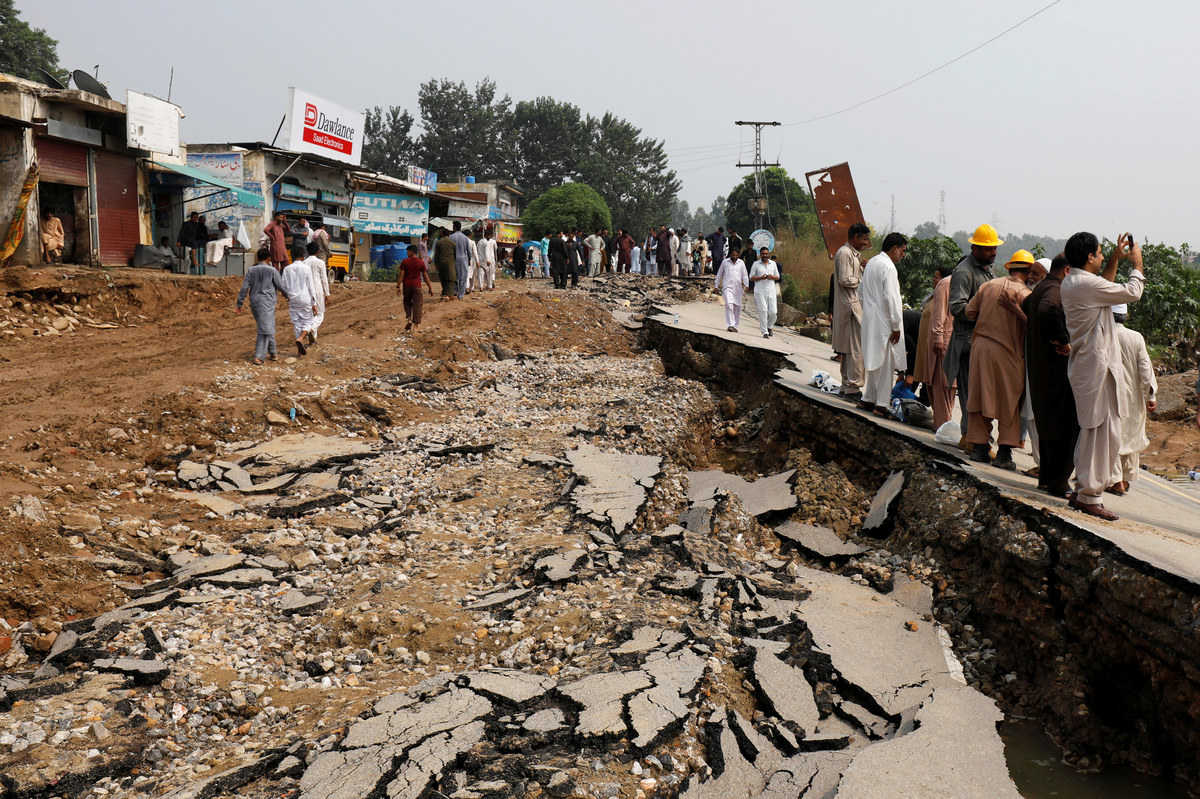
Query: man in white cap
x,y
1141,389
1095,369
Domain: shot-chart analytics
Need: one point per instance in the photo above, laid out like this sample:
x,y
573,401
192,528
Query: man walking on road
x,y
972,271
262,284
487,261
411,272
882,324
716,247
765,277
1095,370
848,266
731,283
320,276
462,258
443,259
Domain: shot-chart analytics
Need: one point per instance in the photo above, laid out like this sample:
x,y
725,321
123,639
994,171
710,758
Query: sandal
x,y
258,362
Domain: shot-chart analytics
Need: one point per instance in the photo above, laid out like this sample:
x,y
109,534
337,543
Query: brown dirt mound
x,y
164,366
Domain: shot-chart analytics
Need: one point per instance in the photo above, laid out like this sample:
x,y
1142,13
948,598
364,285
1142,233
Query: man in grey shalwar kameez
x,y
263,284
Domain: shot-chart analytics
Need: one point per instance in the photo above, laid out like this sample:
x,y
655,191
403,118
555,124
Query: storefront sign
x,y
151,124
315,125
507,232
393,214
226,167
296,192
334,198
468,210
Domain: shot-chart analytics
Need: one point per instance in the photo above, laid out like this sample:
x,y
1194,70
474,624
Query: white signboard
x,y
151,124
314,125
468,210
393,214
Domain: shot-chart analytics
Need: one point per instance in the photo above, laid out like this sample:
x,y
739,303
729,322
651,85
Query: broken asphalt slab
x,y
815,541
879,522
767,495
301,452
864,635
613,485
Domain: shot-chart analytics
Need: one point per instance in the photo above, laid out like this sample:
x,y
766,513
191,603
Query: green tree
x,y
389,146
1168,314
926,230
789,205
572,205
921,258
549,139
22,48
465,132
630,172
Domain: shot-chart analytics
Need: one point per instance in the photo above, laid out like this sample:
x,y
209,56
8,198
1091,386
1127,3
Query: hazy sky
x,y
1082,118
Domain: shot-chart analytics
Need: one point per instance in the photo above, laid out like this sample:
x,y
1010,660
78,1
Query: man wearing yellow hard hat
x,y
971,272
998,361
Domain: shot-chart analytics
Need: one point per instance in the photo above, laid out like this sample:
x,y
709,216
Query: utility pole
x,y
893,225
758,203
942,214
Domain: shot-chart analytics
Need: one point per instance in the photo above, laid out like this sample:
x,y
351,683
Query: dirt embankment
x,y
108,376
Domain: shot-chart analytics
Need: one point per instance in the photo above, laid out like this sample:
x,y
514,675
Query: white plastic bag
x,y
949,433
823,381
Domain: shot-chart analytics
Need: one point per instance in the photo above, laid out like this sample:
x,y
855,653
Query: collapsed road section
x,y
541,585
1090,631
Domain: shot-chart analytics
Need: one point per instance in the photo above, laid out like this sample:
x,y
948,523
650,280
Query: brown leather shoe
x,y
1098,510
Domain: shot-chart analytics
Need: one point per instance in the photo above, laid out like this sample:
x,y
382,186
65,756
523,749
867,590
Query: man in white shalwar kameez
x,y
320,276
297,279
882,324
731,283
1094,369
486,270
1141,391
765,277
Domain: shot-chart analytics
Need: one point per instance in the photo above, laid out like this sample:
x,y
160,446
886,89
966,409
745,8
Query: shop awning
x,y
244,198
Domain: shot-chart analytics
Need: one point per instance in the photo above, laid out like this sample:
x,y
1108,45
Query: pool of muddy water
x,y
1036,766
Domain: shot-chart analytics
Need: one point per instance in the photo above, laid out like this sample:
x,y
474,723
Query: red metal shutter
x,y
62,162
117,207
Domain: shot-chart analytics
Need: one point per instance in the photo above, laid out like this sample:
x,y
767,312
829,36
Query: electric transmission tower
x,y
758,203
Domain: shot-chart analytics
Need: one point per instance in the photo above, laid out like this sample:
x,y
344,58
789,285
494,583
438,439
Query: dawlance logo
x,y
328,132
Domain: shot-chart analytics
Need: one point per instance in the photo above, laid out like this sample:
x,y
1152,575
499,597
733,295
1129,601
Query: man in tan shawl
x,y
997,371
941,327
53,237
848,266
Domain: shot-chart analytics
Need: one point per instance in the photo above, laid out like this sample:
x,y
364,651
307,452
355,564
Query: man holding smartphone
x,y
1095,369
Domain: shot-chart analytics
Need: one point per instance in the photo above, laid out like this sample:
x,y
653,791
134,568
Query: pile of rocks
x,y
22,315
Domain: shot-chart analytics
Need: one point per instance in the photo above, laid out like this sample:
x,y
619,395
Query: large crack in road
x,y
544,589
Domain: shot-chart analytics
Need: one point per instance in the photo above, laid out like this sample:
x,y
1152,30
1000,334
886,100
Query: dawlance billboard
x,y
314,125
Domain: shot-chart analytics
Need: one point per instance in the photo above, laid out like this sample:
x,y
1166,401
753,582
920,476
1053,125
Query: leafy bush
x,y
791,292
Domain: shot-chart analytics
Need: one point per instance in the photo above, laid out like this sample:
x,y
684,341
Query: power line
x,y
930,72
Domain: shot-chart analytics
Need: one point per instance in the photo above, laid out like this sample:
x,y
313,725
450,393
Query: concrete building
x,y
87,176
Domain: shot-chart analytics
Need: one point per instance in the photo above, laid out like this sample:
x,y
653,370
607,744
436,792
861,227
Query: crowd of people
x,y
1040,352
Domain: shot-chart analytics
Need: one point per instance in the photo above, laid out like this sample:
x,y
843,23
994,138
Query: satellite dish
x,y
87,83
49,79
